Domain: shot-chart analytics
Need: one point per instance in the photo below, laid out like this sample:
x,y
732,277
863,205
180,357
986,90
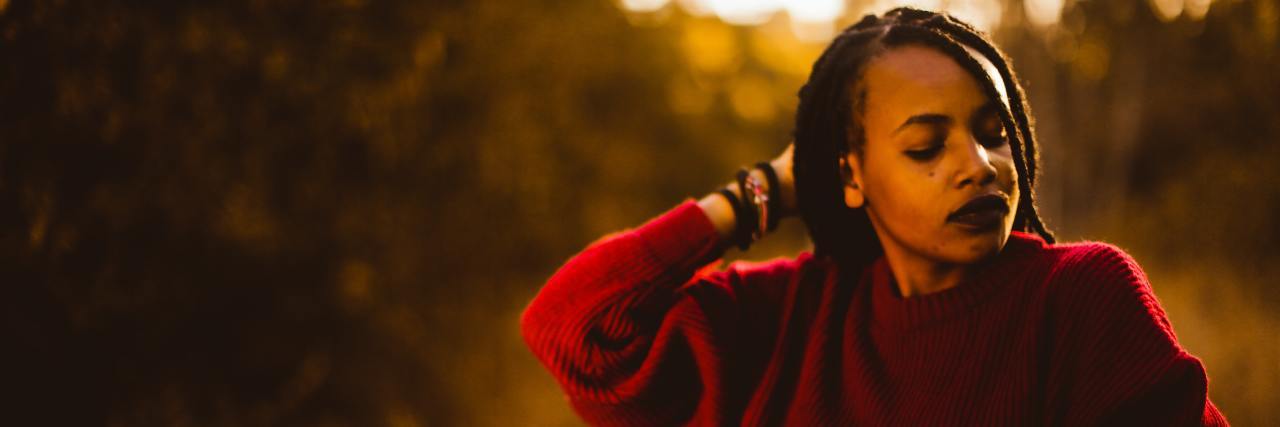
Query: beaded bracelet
x,y
756,212
754,192
775,195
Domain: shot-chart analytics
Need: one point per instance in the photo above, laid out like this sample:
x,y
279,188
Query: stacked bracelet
x,y
775,195
755,212
747,216
753,192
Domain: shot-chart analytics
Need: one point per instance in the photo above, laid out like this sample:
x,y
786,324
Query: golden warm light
x,y
1196,9
1167,10
743,12
643,5
1043,12
814,21
814,10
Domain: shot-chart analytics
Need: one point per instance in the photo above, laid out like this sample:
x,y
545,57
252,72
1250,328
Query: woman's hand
x,y
720,212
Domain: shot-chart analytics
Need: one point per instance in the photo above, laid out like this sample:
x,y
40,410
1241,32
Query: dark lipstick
x,y
982,212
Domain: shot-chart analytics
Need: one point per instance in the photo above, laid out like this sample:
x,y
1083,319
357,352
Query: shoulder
x,y
1099,289
1097,271
1090,279
1099,260
1082,268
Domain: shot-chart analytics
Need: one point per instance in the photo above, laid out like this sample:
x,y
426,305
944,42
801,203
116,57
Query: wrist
x,y
754,217
720,212
752,205
786,188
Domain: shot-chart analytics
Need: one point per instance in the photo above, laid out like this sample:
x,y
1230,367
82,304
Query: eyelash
x,y
928,153
935,147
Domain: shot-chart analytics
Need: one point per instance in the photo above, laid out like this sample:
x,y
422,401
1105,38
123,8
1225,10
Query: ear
x,y
851,175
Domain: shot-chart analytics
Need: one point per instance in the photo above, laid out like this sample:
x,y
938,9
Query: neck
x,y
916,276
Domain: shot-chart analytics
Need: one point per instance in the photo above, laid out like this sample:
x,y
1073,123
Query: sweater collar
x,y
893,313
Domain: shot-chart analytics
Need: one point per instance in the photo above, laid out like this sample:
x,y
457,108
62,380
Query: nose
x,y
975,166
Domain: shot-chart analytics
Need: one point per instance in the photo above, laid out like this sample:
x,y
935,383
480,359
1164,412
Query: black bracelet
x,y
736,205
775,198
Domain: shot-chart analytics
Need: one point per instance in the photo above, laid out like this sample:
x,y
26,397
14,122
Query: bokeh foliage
x,y
332,212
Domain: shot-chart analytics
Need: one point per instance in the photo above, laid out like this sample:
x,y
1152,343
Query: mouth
x,y
981,213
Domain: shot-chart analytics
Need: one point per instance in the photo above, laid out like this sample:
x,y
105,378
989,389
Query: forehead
x,y
915,79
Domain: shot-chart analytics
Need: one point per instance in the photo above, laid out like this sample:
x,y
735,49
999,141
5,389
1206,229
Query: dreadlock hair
x,y
827,126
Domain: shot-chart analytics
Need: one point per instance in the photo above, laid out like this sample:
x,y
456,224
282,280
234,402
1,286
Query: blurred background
x,y
332,212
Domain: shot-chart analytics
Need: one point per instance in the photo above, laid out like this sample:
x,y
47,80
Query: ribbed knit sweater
x,y
641,329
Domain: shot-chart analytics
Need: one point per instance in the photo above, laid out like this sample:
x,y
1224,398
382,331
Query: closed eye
x,y
929,152
994,140
989,127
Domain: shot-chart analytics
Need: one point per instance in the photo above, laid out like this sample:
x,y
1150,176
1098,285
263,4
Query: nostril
x,y
990,175
980,175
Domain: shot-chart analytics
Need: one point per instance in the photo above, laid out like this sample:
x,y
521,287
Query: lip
x,y
981,212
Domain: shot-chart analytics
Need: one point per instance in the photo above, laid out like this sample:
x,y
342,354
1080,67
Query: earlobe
x,y
853,197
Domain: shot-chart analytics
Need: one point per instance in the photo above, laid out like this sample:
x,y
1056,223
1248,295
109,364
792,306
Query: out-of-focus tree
x,y
302,212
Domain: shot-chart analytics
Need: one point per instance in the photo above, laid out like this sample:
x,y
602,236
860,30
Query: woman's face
x,y
934,147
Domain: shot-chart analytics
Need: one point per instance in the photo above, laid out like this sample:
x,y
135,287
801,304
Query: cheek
x,y
1006,171
906,193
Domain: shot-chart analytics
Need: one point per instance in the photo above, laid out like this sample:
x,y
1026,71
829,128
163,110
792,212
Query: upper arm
x,y
1115,355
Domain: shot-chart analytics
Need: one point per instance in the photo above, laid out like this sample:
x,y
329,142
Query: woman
x,y
935,295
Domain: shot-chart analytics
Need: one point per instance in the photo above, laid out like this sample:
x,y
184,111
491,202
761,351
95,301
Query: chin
x,y
970,248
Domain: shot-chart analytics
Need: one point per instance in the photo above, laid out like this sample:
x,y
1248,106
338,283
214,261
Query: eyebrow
x,y
924,119
941,119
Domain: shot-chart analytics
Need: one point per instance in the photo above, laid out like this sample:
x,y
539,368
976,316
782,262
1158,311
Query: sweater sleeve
x,y
1116,360
635,329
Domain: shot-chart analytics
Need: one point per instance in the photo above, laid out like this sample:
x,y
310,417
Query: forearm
x,y
619,273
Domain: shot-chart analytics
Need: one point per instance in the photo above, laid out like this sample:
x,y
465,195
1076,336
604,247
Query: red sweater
x,y
638,332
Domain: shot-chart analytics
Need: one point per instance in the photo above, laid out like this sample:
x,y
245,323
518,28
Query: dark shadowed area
x,y
332,212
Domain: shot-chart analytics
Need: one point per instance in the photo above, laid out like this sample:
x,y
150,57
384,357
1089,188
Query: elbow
x,y
571,298
533,323
540,318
